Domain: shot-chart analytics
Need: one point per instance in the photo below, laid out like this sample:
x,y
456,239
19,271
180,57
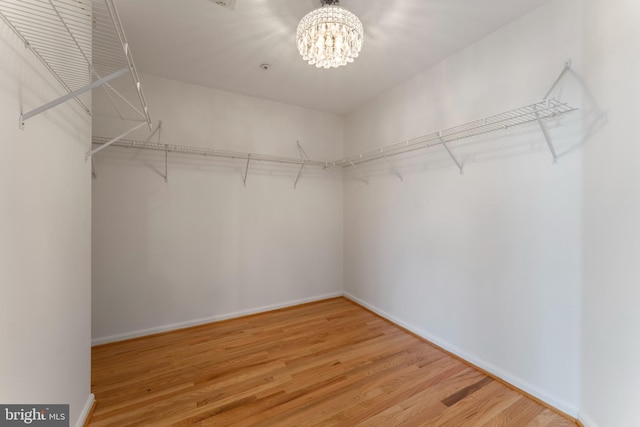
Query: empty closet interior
x,y
465,177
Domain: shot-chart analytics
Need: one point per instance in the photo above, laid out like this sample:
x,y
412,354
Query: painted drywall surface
x,y
488,263
203,247
45,232
611,318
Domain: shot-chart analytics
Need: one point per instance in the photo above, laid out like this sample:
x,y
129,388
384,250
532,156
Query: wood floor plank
x,y
484,405
427,403
396,391
459,395
520,413
325,363
546,418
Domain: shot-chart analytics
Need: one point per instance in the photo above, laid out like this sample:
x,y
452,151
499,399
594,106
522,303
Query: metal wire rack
x,y
83,45
534,113
207,152
538,112
303,161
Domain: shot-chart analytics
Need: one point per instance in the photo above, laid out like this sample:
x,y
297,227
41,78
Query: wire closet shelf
x,y
207,152
534,113
83,45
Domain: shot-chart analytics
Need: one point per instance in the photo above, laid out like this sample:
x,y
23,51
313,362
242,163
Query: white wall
x,y
611,315
487,264
45,232
203,247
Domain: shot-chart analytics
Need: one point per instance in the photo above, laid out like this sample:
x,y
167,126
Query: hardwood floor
x,y
326,363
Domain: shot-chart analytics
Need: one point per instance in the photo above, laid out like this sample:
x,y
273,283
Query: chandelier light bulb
x,y
329,36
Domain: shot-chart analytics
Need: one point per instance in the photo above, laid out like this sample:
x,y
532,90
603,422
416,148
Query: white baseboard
x,y
559,404
205,320
86,410
586,421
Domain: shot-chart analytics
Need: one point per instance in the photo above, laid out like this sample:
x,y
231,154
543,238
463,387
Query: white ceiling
x,y
199,42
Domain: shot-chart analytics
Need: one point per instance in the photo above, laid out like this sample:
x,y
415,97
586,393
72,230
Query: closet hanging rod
x,y
533,113
80,43
208,152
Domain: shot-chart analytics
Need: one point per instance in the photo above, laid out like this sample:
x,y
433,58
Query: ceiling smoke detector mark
x,y
229,4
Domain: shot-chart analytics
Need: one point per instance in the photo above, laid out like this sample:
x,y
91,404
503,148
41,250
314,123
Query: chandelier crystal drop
x,y
329,36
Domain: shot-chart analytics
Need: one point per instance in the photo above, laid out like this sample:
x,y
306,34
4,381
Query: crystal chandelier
x,y
329,36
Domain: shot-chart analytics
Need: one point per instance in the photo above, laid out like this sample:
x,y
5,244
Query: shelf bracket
x,y
299,173
90,153
70,95
446,147
395,170
157,130
303,158
546,136
113,12
93,169
166,163
567,67
246,171
363,178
